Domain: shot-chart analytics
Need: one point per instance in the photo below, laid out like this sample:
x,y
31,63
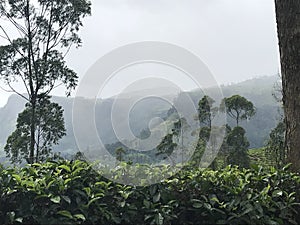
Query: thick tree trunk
x,y
288,24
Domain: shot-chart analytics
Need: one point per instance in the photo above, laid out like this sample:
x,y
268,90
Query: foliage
x,y
275,149
206,111
168,143
166,146
258,129
74,193
238,147
201,145
35,57
258,156
49,129
119,153
239,108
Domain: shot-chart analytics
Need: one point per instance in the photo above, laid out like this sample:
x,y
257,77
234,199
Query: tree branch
x,y
12,90
10,41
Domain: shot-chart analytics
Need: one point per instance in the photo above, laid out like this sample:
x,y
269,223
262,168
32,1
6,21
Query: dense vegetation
x,y
75,193
259,91
233,190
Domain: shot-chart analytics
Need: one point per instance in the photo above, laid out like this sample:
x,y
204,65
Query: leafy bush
x,y
74,193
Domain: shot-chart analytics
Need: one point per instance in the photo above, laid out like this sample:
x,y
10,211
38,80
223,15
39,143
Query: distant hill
x,y
258,90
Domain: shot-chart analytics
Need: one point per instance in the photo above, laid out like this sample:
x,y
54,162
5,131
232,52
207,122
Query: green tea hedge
x,y
74,193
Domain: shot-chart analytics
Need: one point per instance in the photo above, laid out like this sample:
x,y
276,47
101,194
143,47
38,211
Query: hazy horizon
x,y
125,94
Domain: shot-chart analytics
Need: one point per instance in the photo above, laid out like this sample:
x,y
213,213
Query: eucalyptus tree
x,y
49,130
33,54
206,111
239,108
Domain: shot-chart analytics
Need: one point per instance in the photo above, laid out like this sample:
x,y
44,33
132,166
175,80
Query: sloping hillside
x,y
258,90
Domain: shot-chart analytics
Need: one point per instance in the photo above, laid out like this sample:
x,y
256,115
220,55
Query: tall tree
x,y
288,26
239,108
206,111
34,54
49,129
170,142
166,146
238,147
119,153
275,149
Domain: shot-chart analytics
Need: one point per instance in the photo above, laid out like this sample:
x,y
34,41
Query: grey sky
x,y
236,38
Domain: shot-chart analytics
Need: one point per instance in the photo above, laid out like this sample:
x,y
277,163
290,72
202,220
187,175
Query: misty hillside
x,y
258,90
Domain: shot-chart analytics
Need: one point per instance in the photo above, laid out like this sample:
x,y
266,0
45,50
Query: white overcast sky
x,y
236,39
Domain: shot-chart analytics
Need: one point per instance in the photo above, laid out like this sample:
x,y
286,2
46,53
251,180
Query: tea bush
x,y
75,193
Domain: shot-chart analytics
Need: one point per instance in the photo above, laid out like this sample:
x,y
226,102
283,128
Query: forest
x,y
233,160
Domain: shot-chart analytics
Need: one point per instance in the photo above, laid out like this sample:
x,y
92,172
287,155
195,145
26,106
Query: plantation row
x,y
74,193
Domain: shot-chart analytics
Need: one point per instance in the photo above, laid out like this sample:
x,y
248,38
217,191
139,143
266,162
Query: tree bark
x,y
288,25
32,133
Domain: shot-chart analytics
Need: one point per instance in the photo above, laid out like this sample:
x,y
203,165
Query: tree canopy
x,y
49,129
34,54
239,108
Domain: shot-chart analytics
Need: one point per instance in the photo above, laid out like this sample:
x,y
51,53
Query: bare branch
x,y
10,41
12,90
68,50
52,87
4,37
17,25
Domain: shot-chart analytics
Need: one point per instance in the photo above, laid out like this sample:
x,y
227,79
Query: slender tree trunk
x,y
32,132
33,93
288,24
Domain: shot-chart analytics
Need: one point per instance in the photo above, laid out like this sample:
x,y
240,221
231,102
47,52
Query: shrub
x,y
74,193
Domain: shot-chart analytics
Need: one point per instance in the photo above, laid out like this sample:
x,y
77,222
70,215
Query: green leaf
x,y
146,204
207,205
40,197
67,181
55,199
159,220
67,199
87,191
65,167
50,183
156,197
197,205
19,220
77,163
65,213
277,193
93,200
122,204
17,178
80,217
147,217
266,190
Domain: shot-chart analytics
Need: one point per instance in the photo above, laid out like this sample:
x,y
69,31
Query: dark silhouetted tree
x,y
206,111
34,54
120,154
239,108
238,147
275,149
49,130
